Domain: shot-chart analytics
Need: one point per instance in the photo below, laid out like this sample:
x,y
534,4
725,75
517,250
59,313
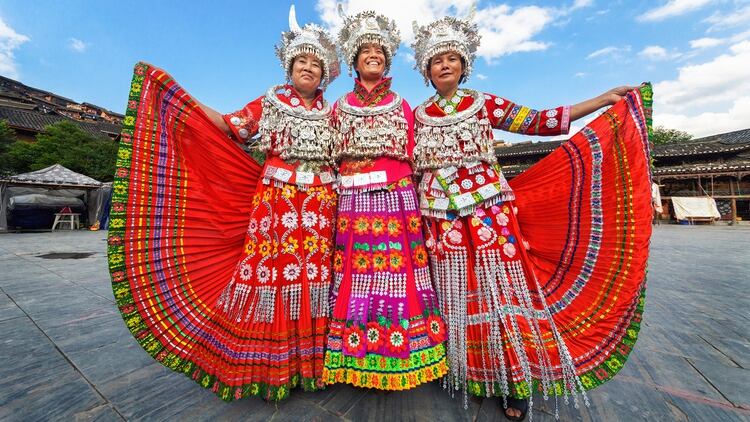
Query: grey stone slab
x,y
104,413
696,409
735,349
297,409
680,343
8,309
148,391
59,397
675,372
732,382
21,337
434,404
338,398
89,333
206,406
110,361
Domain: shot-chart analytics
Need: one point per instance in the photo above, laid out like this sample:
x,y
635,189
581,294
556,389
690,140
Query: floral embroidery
x,y
263,273
419,255
288,191
379,261
309,219
509,249
291,272
290,245
343,224
397,339
264,248
289,220
246,271
361,261
435,329
312,270
414,223
394,226
353,340
338,261
361,225
378,225
311,244
396,260
375,336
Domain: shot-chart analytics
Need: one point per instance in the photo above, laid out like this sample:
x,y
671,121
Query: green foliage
x,y
662,135
7,138
67,144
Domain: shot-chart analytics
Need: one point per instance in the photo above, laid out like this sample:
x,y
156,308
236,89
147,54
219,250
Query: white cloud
x,y
481,76
581,74
609,51
719,20
655,52
673,8
706,42
77,45
706,98
504,29
10,40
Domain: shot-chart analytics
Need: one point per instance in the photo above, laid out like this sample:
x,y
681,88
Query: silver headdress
x,y
310,39
368,28
443,35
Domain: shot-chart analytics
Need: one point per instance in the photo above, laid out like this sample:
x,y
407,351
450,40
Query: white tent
x,y
53,182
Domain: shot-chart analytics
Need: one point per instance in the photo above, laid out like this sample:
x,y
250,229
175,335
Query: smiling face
x,y
445,71
370,62
306,73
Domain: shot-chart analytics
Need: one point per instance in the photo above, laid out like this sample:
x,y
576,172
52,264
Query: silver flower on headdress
x,y
310,39
444,35
367,28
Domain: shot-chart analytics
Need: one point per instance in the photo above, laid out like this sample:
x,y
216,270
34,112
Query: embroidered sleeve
x,y
244,123
512,117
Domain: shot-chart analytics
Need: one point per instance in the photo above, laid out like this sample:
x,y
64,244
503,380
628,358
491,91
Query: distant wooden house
x,y
29,110
716,166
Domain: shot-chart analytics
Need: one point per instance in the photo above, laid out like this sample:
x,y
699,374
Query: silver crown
x,y
310,39
443,35
367,28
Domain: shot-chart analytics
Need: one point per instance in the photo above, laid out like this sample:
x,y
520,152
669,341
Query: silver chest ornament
x,y
371,132
454,140
295,133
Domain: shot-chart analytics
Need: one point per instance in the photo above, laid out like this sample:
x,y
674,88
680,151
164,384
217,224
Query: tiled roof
x,y
36,121
721,143
528,148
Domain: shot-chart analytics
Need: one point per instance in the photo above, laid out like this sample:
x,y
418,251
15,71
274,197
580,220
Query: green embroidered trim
x,y
121,284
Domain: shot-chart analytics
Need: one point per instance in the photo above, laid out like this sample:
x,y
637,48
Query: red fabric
x,y
183,195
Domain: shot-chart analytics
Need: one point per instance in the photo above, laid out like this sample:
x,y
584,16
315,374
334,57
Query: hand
x,y
615,94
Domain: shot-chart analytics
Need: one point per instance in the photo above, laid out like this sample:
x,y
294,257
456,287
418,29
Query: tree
x,y
662,135
67,144
7,138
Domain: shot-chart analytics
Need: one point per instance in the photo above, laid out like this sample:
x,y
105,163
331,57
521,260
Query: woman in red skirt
x,y
222,269
540,280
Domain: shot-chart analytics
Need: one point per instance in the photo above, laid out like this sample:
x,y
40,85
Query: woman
x,y
222,269
386,331
540,281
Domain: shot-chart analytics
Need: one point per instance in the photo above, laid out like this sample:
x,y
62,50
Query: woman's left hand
x,y
615,94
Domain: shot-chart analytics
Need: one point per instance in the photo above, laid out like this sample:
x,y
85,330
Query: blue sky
x,y
540,54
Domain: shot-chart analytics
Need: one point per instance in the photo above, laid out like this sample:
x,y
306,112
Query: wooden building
x,y
716,166
28,110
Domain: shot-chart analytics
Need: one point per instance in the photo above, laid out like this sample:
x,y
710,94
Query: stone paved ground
x,y
66,354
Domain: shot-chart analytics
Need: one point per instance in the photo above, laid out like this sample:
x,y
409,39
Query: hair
x,y
463,68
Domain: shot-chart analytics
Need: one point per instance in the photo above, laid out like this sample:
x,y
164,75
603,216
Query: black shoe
x,y
519,404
